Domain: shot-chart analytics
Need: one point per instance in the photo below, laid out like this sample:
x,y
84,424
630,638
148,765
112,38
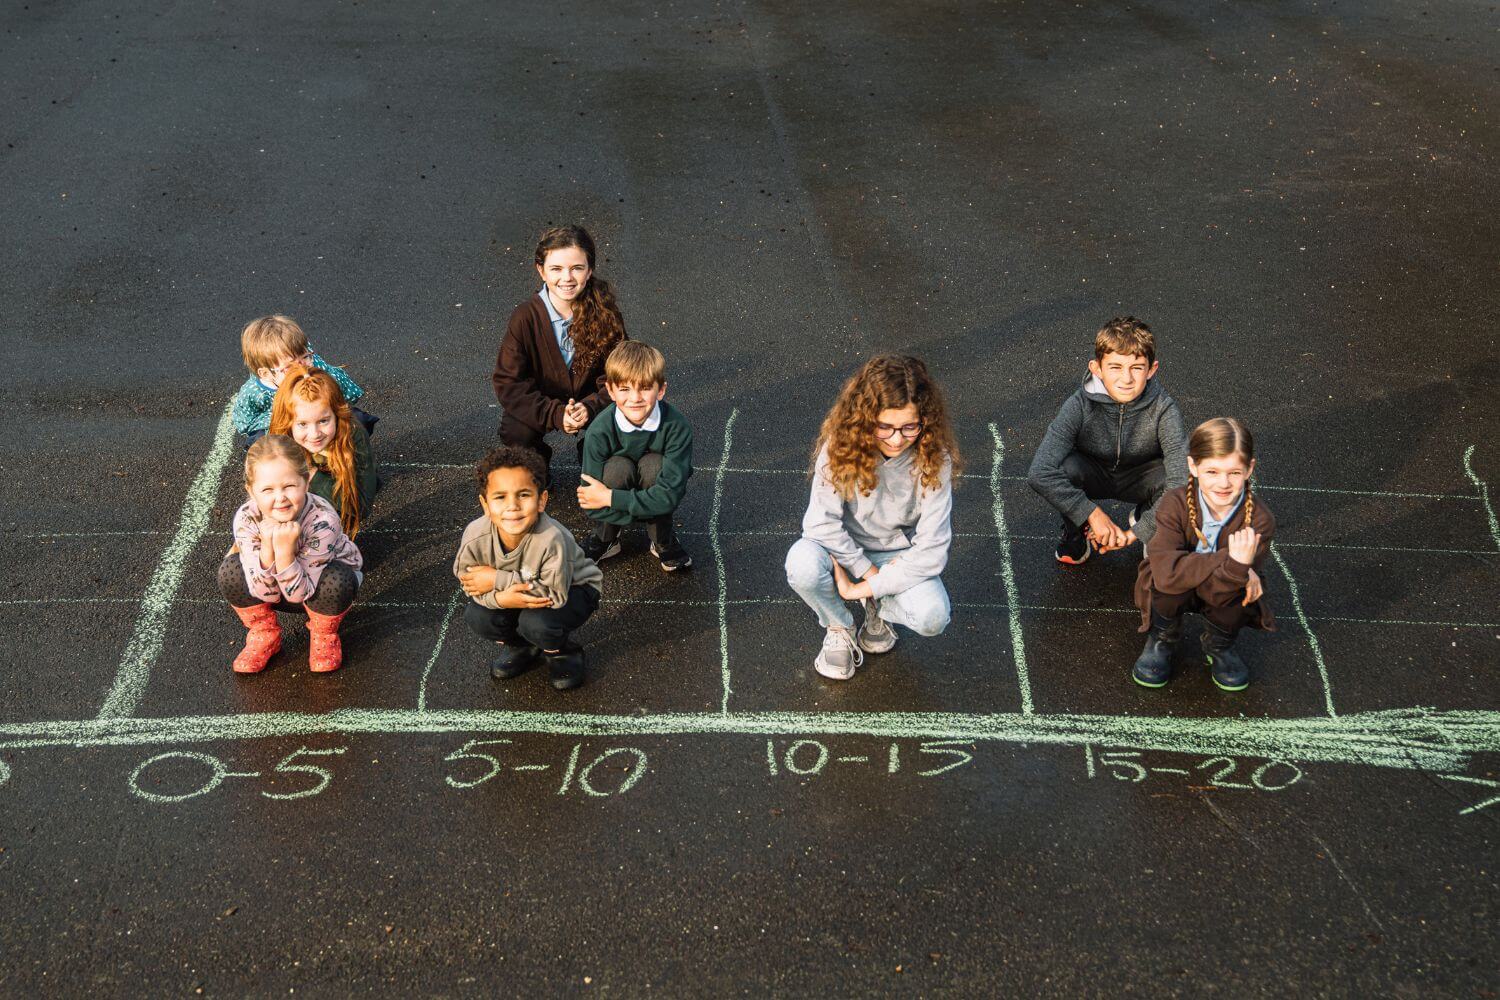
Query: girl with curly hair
x,y
310,408
549,375
877,527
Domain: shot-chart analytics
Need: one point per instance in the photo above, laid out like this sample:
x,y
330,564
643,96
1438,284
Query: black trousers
x,y
620,473
513,431
1141,485
1229,617
334,594
546,628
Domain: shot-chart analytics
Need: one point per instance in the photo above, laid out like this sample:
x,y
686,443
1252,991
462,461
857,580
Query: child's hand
x,y
283,537
1253,589
594,495
518,596
1106,534
1130,539
848,589
1242,545
575,417
477,580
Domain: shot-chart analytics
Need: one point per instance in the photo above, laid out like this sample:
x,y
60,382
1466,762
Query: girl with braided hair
x,y
1212,537
549,375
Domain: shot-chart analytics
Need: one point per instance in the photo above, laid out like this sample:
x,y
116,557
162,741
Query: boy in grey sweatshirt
x,y
529,583
1118,437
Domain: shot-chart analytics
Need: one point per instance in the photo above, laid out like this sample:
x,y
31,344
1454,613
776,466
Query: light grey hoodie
x,y
897,515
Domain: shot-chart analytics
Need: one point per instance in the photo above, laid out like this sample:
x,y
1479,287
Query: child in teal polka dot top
x,y
271,346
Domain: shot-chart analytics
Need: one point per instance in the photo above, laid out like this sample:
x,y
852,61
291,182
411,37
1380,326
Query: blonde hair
x,y
1125,335
1218,438
268,447
885,382
313,385
635,363
266,341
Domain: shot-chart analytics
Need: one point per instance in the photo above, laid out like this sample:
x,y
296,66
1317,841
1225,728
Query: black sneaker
x,y
673,558
566,667
1153,668
1074,547
1229,672
598,549
513,661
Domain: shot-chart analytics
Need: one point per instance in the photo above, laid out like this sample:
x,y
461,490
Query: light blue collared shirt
x,y
1212,527
559,327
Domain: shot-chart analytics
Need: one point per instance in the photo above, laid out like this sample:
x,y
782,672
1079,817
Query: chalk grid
x,y
1400,738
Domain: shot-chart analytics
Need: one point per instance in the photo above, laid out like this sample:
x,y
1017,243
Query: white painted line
x,y
156,605
1401,738
1484,495
1312,637
713,540
1008,573
1387,494
437,649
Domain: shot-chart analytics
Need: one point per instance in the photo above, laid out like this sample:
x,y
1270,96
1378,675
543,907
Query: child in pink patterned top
x,y
291,554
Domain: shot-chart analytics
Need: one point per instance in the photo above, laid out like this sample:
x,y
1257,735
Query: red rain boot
x,y
324,652
262,638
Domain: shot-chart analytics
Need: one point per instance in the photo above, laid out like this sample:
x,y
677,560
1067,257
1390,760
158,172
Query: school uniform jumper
x,y
324,576
1098,449
646,468
551,561
1177,575
534,376
900,527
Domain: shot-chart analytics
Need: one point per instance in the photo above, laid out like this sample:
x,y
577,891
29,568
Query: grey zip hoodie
x,y
899,514
1120,435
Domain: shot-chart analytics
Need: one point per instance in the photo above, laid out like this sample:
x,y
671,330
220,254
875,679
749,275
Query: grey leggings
x,y
335,591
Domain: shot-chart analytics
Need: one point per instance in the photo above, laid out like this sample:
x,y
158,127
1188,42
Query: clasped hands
x,y
480,580
575,417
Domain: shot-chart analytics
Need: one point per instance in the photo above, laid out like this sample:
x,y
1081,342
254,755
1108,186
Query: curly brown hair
x,y
885,382
597,322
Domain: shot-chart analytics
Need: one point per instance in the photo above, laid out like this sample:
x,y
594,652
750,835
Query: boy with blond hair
x,y
1118,437
272,346
637,458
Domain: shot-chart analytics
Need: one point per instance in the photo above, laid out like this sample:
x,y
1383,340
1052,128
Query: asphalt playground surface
x,y
1298,197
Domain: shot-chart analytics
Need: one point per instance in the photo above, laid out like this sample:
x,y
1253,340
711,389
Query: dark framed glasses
x,y
887,431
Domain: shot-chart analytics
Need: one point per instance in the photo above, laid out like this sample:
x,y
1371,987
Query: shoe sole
x,y
826,671
1147,684
876,647
609,553
685,564
1070,561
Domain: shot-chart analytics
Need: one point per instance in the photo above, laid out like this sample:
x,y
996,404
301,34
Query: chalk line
x,y
713,540
1312,637
1484,495
438,648
156,605
1402,739
1474,781
1008,573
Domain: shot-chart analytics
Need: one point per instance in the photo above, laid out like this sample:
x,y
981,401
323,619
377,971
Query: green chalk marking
x,y
1008,573
1484,495
438,648
1400,739
156,605
1312,637
713,540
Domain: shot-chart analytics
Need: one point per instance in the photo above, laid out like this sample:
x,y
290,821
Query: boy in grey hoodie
x,y
1118,437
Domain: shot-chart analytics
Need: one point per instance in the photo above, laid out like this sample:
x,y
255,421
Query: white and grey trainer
x,y
839,657
875,634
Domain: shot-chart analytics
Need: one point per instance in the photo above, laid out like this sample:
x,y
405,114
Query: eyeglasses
x,y
304,360
887,431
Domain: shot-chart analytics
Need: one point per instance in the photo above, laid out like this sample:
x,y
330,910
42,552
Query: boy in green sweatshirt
x,y
637,458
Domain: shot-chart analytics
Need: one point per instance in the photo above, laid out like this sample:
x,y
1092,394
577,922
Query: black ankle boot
x,y
566,667
1226,668
513,660
1153,668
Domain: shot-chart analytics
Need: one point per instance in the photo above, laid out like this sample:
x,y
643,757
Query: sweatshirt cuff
x,y
887,582
859,568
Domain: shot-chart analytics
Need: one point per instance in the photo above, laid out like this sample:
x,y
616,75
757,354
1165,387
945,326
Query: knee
x,y
538,631
231,580
336,589
619,473
931,619
808,564
1076,468
649,468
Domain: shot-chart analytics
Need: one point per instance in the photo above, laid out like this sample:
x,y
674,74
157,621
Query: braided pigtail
x,y
1249,507
1192,505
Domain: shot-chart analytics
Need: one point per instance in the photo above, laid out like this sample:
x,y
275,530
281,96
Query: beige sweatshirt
x,y
548,558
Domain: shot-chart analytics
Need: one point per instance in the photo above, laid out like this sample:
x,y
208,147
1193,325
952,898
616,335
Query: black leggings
x,y
546,628
335,591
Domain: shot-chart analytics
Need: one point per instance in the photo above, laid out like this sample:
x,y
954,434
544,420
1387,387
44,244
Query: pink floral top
x,y
323,541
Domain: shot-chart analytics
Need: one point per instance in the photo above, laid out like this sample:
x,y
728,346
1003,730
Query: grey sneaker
x,y
839,657
875,634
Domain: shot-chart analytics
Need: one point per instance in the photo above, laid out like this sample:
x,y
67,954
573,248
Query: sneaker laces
x,y
838,638
874,624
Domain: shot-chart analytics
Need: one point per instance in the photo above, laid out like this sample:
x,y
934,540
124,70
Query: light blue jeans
x,y
809,569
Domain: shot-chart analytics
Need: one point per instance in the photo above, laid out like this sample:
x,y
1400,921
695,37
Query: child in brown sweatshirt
x,y
1212,537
